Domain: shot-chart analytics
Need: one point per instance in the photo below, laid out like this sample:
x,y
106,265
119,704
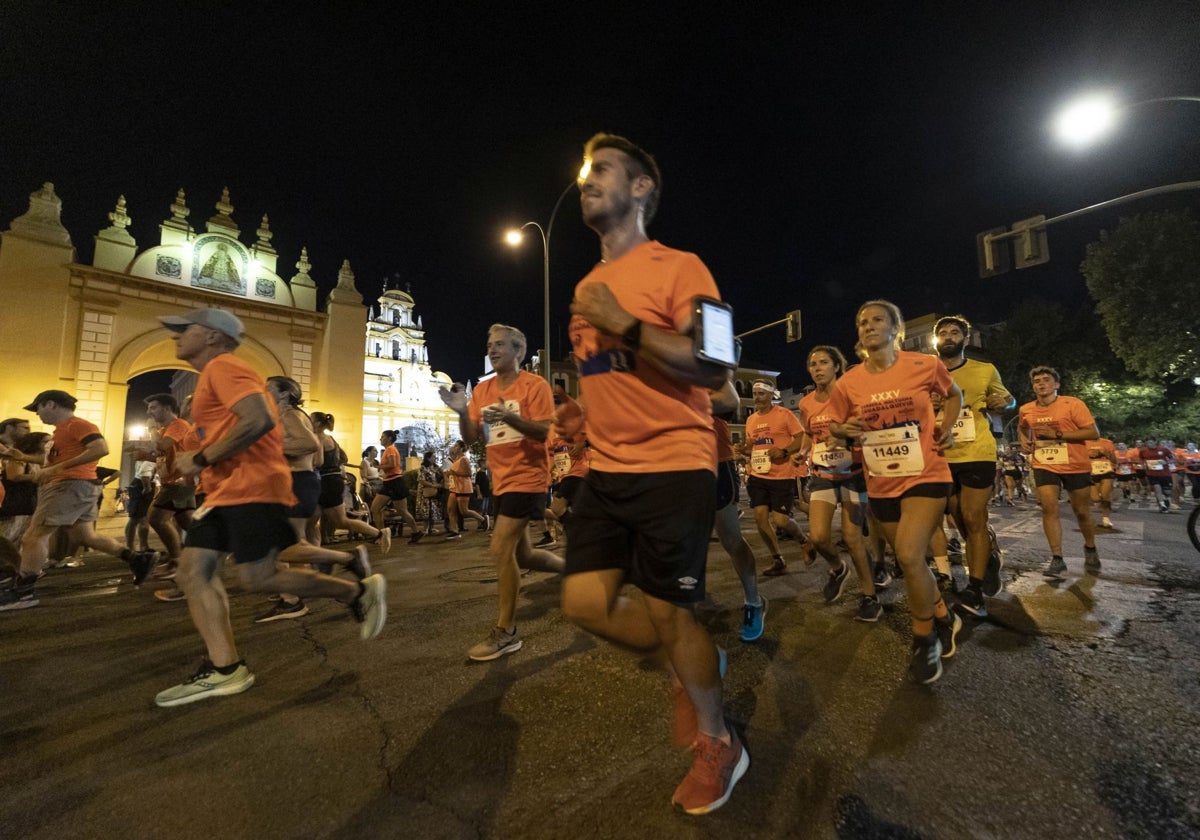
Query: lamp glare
x,y
1085,120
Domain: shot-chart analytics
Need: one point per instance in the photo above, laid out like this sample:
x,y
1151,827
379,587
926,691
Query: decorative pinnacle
x,y
264,232
223,206
179,209
304,265
119,218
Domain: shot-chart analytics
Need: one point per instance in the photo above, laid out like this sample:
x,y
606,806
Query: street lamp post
x,y
514,238
1088,118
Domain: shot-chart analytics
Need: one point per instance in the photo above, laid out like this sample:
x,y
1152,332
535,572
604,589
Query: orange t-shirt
x,y
835,460
177,430
896,403
1191,460
773,430
259,474
460,485
724,440
638,419
1065,414
1103,455
71,437
519,464
389,463
562,464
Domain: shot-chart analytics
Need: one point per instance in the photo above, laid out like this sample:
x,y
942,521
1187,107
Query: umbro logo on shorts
x,y
687,583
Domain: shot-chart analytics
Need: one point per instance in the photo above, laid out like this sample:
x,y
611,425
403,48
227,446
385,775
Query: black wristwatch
x,y
199,460
633,335
1058,436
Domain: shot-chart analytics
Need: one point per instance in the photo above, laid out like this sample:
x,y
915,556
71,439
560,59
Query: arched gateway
x,y
89,329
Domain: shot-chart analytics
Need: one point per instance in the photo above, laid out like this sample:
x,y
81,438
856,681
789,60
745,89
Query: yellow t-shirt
x,y
975,380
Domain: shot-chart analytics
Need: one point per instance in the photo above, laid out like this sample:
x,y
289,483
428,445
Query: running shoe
x,y
970,601
836,584
869,609
954,546
370,607
165,571
947,631
142,563
684,726
1106,523
993,584
206,682
453,535
486,524
385,539
546,541
779,567
20,596
1091,561
498,643
416,537
282,610
1057,568
360,564
808,552
883,578
172,593
716,768
752,620
926,664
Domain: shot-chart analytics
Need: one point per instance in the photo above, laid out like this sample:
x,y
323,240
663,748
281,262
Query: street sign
x,y
1032,246
793,326
994,257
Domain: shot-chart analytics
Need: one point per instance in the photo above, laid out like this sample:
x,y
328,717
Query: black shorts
x,y
250,532
1015,474
1100,479
1071,482
1126,478
727,484
394,488
567,488
652,526
888,510
306,485
1163,481
333,490
978,475
139,506
522,505
175,497
776,493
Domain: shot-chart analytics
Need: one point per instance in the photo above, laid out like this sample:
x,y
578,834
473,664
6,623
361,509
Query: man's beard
x,y
948,350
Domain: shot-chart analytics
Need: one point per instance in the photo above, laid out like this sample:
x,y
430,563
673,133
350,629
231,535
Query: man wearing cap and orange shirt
x,y
249,491
772,437
67,496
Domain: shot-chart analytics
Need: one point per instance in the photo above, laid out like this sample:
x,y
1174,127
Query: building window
x,y
396,350
396,317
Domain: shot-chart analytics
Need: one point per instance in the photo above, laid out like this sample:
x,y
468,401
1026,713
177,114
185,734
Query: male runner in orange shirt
x,y
248,492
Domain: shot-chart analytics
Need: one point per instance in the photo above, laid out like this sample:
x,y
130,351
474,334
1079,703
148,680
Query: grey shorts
x,y
66,502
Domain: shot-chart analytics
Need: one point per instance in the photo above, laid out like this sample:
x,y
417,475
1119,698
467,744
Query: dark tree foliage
x,y
1145,278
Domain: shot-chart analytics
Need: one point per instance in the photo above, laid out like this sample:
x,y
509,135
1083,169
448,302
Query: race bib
x,y
831,459
894,452
1154,465
562,462
1052,453
1124,469
1101,466
500,432
964,426
760,462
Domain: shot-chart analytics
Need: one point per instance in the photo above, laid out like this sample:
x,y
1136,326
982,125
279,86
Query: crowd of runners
x,y
642,471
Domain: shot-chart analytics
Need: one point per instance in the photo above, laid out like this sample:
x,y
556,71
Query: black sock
x,y
975,584
127,555
226,670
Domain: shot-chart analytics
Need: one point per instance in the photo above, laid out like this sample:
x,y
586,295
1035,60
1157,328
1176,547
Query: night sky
x,y
812,160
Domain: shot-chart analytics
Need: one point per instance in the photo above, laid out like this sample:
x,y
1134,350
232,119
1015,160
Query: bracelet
x,y
1059,436
200,460
633,335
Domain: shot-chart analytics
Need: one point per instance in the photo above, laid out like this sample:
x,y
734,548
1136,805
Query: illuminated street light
x,y
1084,120
1091,117
515,237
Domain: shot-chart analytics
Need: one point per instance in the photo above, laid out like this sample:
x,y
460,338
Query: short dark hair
x,y
644,163
289,387
1040,369
31,444
12,421
164,399
957,320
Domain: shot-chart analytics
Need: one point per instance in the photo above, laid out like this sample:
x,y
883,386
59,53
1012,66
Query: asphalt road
x,y
1071,712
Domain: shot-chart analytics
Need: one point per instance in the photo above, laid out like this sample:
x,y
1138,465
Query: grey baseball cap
x,y
213,317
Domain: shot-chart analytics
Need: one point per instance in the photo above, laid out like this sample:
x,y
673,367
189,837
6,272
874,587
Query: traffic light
x,y
994,257
793,326
1032,246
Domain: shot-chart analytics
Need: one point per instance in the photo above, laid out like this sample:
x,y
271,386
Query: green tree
x,y
1145,278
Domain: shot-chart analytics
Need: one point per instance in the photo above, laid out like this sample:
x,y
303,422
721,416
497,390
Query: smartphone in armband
x,y
712,332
